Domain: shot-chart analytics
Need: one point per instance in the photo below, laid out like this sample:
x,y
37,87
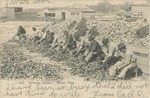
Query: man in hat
x,y
80,32
59,41
128,62
112,54
70,43
36,35
94,50
39,34
49,38
43,36
21,33
82,44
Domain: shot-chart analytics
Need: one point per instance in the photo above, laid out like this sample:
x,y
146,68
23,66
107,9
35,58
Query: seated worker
x,y
43,35
128,62
94,50
82,44
112,54
49,38
59,41
37,35
80,32
70,43
21,33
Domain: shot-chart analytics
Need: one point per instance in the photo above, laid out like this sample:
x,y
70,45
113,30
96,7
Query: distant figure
x,y
21,33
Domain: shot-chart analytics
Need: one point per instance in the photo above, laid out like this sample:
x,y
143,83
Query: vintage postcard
x,y
74,49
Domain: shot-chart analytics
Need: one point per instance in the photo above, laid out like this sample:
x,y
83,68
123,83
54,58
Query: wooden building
x,y
10,12
140,11
78,11
17,13
71,12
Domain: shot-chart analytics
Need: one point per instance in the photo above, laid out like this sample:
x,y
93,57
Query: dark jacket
x,y
94,31
82,23
80,32
143,32
49,37
72,25
95,47
21,31
70,41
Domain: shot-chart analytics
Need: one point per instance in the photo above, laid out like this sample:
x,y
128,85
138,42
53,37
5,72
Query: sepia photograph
x,y
74,49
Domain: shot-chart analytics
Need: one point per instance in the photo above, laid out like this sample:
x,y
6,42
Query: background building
x,y
140,11
72,12
54,13
17,13
10,12
78,11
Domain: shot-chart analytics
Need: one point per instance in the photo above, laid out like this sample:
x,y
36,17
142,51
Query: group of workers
x,y
117,59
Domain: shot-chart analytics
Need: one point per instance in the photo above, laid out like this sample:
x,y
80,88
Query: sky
x,y
60,3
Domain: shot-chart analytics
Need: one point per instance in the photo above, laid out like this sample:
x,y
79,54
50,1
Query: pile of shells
x,y
14,65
